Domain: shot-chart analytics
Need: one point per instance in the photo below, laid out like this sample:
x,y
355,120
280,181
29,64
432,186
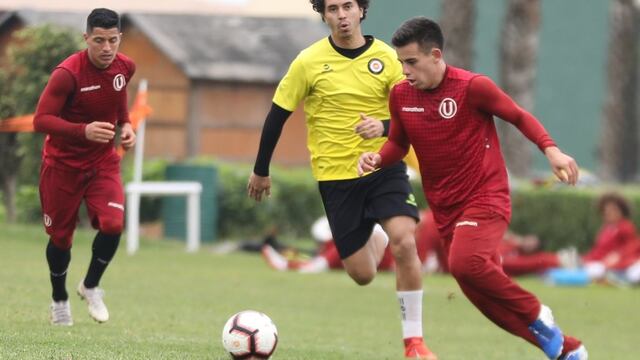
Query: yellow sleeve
x,y
412,160
293,87
396,74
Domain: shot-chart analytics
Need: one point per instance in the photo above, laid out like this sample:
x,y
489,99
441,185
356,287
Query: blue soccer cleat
x,y
577,354
549,336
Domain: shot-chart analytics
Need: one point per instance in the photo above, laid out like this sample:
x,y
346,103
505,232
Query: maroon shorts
x,y
62,190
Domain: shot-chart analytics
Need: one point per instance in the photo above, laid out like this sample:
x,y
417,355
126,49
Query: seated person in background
x,y
327,258
626,270
521,255
613,246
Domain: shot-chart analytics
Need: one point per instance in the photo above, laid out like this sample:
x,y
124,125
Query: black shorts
x,y
354,206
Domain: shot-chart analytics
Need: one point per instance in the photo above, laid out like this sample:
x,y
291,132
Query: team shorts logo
x,y
376,66
119,82
448,108
47,220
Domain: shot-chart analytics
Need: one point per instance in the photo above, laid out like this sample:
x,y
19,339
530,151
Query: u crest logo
x,y
119,82
448,108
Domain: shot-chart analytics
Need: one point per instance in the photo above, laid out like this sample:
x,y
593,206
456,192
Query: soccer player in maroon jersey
x,y
447,114
83,102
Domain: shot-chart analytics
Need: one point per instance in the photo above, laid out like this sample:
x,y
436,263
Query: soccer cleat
x,y
577,354
97,309
547,333
61,313
274,258
415,348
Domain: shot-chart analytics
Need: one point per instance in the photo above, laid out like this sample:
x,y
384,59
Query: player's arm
x,y
369,127
47,117
293,87
393,150
487,97
259,182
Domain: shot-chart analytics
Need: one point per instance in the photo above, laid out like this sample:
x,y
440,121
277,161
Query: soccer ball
x,y
250,335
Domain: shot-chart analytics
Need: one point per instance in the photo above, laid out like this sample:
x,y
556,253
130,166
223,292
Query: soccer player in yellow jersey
x,y
345,80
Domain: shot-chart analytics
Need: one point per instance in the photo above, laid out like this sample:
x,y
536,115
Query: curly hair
x,y
318,6
616,199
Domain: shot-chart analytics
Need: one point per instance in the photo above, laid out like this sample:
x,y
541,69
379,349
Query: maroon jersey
x,y
454,136
77,94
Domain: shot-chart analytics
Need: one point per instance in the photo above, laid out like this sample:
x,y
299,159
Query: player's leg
x,y
392,201
344,203
473,261
59,187
361,264
105,205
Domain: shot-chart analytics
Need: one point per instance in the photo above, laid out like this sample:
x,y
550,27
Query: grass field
x,y
166,304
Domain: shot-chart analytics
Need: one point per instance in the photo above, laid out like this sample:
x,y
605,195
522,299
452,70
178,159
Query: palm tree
x,y
619,134
519,52
458,22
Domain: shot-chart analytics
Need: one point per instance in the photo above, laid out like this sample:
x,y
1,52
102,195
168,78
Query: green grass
x,y
167,304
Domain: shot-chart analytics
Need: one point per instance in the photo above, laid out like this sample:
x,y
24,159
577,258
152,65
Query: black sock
x,y
104,247
58,260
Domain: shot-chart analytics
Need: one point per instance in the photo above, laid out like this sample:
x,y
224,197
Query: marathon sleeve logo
x,y
376,66
119,82
448,108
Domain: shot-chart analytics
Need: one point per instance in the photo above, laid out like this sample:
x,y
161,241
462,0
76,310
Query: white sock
x,y
633,273
379,230
411,312
315,265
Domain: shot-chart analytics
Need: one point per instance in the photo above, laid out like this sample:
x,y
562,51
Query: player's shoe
x,y
60,313
97,309
274,258
415,348
577,354
547,333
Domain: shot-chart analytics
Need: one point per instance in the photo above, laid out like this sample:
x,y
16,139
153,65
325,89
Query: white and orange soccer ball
x,y
250,335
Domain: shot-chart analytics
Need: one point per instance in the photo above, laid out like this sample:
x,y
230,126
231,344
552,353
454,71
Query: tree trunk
x,y
619,134
9,164
458,24
519,52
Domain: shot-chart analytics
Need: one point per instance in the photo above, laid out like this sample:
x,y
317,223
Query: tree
x,y
32,55
458,23
619,135
519,52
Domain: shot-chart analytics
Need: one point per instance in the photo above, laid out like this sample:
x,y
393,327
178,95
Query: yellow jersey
x,y
336,90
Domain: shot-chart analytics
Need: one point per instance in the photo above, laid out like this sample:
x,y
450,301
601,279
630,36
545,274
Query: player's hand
x,y
259,187
563,166
369,128
368,162
100,131
127,136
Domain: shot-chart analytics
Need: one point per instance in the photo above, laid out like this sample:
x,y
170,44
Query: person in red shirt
x,y
614,245
328,258
79,109
446,114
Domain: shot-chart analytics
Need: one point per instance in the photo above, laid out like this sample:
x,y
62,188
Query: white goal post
x,y
137,188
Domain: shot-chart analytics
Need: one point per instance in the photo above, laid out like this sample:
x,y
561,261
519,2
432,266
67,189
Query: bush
x,y
559,216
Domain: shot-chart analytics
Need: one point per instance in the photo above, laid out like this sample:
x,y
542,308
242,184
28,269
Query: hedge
x,y
560,216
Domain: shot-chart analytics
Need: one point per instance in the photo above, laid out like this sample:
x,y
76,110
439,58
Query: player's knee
x,y
466,267
111,226
404,249
62,241
362,277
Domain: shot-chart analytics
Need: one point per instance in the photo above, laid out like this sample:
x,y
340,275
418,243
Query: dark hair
x,y
420,30
616,199
318,6
103,18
